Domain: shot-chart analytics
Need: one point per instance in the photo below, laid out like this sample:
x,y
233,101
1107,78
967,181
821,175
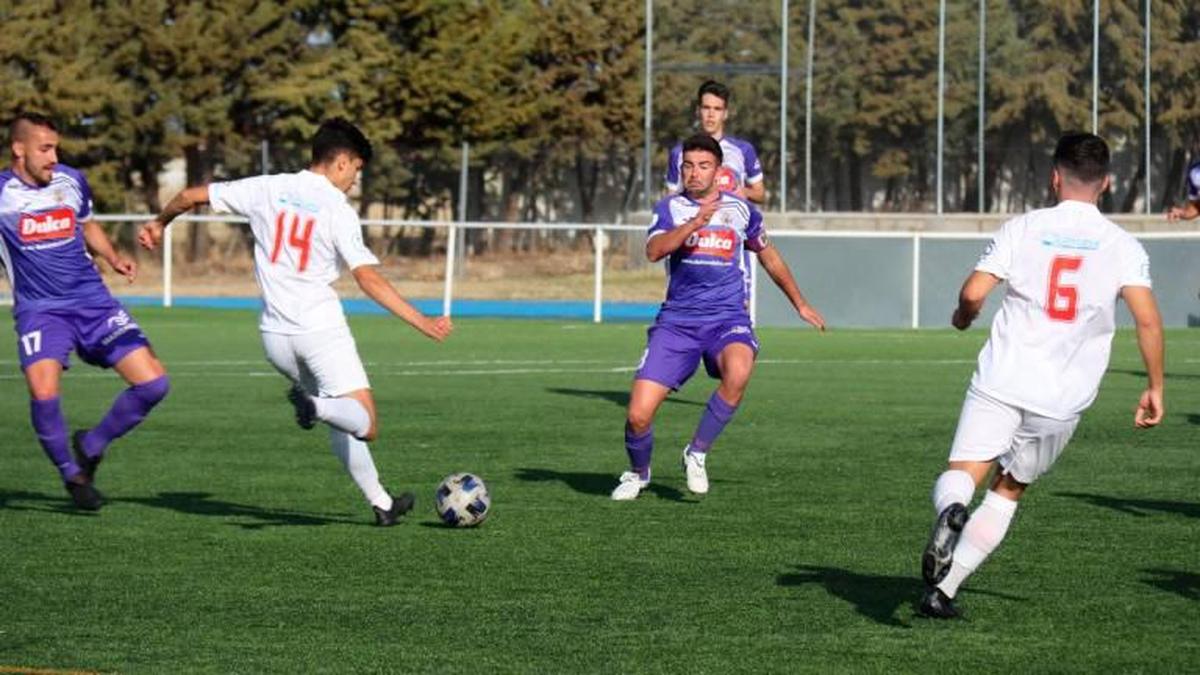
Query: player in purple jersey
x,y
1192,208
707,236
60,304
740,171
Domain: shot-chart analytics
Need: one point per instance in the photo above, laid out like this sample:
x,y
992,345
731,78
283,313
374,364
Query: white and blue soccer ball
x,y
462,500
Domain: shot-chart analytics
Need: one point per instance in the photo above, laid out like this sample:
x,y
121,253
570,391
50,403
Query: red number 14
x,y
299,238
1062,299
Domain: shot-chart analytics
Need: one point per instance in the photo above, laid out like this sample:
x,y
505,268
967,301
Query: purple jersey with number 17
x,y
41,242
709,275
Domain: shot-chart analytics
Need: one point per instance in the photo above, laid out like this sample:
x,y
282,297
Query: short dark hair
x,y
706,143
28,118
1082,156
336,136
715,88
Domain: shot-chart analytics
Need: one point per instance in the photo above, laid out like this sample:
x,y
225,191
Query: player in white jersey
x,y
1040,369
303,225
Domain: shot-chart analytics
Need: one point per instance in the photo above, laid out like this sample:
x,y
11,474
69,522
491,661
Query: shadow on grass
x,y
21,500
1194,419
595,484
203,504
1137,507
875,596
620,398
1175,581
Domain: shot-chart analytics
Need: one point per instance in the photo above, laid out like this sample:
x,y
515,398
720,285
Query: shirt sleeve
x,y
1135,265
756,234
672,177
661,220
754,173
1193,182
237,196
84,213
348,239
997,258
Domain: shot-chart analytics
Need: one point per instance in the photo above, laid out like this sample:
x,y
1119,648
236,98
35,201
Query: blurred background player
x,y
61,304
1041,367
1192,208
302,224
707,235
740,171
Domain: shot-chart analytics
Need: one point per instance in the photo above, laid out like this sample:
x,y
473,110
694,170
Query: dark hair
x,y
715,88
1082,156
31,118
706,143
337,136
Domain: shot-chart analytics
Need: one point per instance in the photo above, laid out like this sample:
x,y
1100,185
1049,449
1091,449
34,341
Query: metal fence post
x,y
598,291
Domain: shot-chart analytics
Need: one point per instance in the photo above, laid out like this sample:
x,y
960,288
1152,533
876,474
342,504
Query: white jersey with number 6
x,y
302,225
1050,341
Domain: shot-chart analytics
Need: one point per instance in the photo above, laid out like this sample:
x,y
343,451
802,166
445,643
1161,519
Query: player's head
x,y
33,142
712,107
1080,167
339,151
701,159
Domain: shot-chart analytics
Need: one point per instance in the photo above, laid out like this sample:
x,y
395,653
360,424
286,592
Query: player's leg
x,y
332,371
110,338
1036,445
148,385
986,429
43,346
671,356
731,358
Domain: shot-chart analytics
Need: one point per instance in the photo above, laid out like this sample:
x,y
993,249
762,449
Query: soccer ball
x,y
462,500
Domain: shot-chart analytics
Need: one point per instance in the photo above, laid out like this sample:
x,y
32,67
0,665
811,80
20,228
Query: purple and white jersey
x,y
739,167
708,277
1193,182
41,242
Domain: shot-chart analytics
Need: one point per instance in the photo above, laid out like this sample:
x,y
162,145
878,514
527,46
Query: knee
x,y
639,420
153,391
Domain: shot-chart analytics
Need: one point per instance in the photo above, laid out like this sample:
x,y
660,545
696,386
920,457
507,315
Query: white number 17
x,y
32,342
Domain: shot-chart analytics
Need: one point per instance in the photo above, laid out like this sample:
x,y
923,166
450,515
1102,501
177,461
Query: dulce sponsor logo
x,y
719,243
56,224
727,180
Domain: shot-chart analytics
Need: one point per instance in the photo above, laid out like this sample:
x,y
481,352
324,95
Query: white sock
x,y
983,533
344,414
356,457
953,486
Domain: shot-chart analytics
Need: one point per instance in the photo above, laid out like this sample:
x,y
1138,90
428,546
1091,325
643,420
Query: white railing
x,y
599,232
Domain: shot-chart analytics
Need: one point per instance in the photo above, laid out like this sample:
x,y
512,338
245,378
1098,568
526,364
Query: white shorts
x,y
325,363
1025,444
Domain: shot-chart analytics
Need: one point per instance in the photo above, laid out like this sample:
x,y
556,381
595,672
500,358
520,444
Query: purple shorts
x,y
674,351
100,334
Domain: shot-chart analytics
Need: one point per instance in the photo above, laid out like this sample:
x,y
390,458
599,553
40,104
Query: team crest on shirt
x,y
715,243
54,224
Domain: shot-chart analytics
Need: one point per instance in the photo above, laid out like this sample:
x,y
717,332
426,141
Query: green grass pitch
x,y
233,542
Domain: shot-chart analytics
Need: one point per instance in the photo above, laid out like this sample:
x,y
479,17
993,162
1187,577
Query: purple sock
x,y
716,415
51,430
639,449
128,410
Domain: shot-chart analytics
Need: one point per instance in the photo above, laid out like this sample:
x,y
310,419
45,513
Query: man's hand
x,y
1149,409
960,320
813,317
150,235
437,329
124,266
706,212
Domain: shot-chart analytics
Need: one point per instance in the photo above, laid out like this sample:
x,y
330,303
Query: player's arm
x,y
1144,308
777,268
101,247
189,198
1185,212
662,245
381,290
756,193
971,298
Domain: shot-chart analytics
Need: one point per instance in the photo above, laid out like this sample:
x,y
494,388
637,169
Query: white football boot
x,y
697,475
630,486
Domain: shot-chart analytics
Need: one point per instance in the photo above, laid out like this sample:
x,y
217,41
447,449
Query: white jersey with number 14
x,y
1050,341
302,226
